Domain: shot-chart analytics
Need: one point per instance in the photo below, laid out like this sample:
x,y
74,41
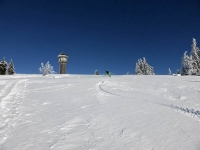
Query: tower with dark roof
x,y
62,59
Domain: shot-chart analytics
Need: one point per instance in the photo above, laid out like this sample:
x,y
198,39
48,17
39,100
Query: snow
x,y
88,112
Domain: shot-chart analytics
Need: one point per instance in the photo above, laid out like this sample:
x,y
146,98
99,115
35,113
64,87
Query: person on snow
x,y
108,73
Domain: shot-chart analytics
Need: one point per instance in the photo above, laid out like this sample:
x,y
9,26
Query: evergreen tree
x,y
143,68
187,65
195,53
138,67
169,72
96,72
10,69
46,69
190,65
149,70
3,67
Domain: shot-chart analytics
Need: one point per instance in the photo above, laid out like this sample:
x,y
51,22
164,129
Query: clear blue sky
x,y
98,34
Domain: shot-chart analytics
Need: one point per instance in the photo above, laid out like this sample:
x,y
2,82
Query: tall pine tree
x,y
195,53
187,65
169,72
3,67
143,68
190,65
10,69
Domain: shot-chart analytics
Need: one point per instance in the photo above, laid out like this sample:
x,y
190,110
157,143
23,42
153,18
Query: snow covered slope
x,y
86,112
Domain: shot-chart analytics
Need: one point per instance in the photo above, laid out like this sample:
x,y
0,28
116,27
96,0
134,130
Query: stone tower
x,y
62,59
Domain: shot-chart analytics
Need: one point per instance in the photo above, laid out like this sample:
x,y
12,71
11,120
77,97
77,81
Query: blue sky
x,y
98,34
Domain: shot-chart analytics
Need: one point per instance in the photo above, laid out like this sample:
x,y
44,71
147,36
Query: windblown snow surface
x,y
86,112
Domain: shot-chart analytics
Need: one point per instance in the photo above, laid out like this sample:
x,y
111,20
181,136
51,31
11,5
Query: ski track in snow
x,y
193,113
95,130
132,140
11,96
85,130
190,112
102,91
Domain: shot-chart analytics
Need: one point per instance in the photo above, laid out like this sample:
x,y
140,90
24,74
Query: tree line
x,y
190,64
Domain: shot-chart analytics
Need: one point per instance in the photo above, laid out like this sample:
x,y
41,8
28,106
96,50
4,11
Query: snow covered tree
x,y
143,68
195,53
10,69
96,72
46,69
169,72
187,65
190,65
138,68
149,70
3,67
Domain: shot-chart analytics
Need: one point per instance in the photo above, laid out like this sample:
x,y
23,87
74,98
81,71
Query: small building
x,y
62,60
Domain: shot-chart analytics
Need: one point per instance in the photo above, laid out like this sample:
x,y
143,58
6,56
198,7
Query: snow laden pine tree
x,y
3,67
10,69
187,65
139,67
195,53
190,65
96,72
46,69
143,68
169,72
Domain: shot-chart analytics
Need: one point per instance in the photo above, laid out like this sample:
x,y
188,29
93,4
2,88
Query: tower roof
x,y
63,53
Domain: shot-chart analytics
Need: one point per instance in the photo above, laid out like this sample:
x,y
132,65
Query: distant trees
x,y
10,69
169,72
143,68
96,72
6,69
190,65
46,69
3,67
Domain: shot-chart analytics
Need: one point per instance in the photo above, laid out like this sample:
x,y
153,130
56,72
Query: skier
x,y
108,73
